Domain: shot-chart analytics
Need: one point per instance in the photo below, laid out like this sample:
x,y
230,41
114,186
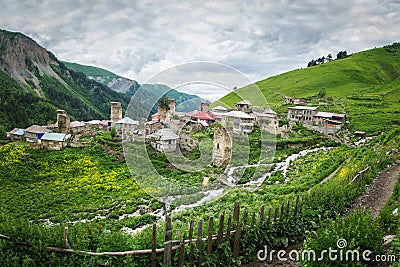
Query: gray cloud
x,y
138,39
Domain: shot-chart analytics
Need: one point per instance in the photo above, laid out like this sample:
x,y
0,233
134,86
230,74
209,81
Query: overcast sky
x,y
138,39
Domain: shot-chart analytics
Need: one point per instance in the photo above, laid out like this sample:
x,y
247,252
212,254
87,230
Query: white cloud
x,y
259,38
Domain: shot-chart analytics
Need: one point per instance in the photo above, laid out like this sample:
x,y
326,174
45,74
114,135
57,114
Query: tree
x,y
113,133
341,54
163,103
329,57
2,133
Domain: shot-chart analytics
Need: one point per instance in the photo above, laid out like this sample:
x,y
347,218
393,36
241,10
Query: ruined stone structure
x,y
186,142
222,150
205,107
116,112
63,121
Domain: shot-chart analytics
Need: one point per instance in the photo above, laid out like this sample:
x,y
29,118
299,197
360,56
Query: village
x,y
170,130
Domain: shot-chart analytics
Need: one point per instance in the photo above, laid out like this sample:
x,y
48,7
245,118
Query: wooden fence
x,y
235,226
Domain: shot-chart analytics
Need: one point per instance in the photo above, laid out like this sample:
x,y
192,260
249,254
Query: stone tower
x,y
63,121
205,107
163,113
222,150
116,112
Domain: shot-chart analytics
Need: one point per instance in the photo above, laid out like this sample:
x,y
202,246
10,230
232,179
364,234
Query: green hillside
x,y
365,86
92,71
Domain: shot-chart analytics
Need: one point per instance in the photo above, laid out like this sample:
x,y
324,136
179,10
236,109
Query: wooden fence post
x,y
190,242
210,233
153,246
182,252
253,219
199,241
276,214
168,241
261,214
269,215
282,210
287,208
220,229
236,244
66,237
296,206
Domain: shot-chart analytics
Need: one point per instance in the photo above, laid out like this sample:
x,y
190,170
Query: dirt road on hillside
x,y
379,192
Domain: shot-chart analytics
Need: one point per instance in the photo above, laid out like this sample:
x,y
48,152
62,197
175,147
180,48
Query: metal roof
x,y
304,108
244,102
37,129
17,131
54,137
220,108
127,120
239,114
164,134
76,124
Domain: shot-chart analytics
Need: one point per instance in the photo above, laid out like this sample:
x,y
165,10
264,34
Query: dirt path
x,y
379,192
373,199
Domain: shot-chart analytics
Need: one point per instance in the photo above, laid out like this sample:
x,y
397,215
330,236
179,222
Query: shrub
x,y
359,230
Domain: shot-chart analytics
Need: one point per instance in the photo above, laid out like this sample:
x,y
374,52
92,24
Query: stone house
x,y
220,110
126,125
54,141
244,106
326,118
267,120
152,126
324,122
77,127
164,140
34,133
205,117
16,134
238,121
302,114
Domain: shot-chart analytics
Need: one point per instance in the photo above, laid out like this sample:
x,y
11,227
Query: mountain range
x,y
34,84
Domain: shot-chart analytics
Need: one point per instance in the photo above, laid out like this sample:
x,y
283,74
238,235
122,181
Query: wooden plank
x,y
276,214
168,241
153,246
253,219
191,244
182,252
236,244
220,229
210,234
199,241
